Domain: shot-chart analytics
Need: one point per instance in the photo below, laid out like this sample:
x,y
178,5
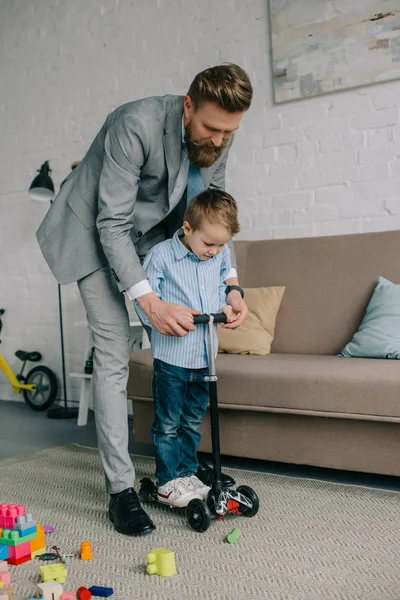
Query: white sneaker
x,y
177,492
199,486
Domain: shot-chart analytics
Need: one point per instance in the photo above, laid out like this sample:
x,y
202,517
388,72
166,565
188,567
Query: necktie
x,y
195,183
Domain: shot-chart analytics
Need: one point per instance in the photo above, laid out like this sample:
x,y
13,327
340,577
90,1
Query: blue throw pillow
x,y
379,333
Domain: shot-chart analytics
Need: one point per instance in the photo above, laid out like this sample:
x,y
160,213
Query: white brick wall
x,y
314,167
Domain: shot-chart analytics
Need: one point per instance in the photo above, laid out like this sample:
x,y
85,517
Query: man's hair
x,y
227,85
214,206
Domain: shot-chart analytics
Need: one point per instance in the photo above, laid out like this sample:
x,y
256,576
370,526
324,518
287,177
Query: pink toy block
x,y
5,578
9,514
16,552
68,596
3,566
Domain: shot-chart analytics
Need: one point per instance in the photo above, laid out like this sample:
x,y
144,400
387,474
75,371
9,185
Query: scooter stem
x,y
214,418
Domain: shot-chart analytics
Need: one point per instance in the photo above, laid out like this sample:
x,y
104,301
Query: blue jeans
x,y
180,402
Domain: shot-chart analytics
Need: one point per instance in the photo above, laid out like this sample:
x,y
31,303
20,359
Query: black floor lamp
x,y
42,190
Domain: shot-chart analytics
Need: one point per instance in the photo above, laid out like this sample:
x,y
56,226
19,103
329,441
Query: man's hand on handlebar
x,y
169,319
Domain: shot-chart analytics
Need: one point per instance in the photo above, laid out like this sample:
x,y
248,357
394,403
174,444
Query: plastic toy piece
x,y
3,553
86,551
5,578
53,573
3,566
234,535
48,556
8,592
83,593
161,561
19,561
50,590
102,592
39,543
1,585
9,514
48,529
68,596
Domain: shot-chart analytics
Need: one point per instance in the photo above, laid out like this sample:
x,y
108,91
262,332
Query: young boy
x,y
190,269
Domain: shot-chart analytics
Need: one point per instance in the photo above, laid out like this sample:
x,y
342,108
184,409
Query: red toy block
x,y
19,561
83,593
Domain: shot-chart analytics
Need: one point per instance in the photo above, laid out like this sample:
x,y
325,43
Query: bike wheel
x,y
46,388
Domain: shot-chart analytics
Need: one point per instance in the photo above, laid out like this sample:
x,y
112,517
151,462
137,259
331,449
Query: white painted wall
x,y
323,166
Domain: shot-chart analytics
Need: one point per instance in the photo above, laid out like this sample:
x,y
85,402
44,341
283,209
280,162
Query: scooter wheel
x,y
198,515
251,495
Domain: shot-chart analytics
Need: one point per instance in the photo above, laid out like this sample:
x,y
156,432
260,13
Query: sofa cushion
x,y
257,332
329,385
379,333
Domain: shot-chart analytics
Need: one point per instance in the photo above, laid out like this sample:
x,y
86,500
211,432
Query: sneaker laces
x,y
131,500
182,485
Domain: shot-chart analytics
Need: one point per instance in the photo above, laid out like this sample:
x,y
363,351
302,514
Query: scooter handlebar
x,y
204,318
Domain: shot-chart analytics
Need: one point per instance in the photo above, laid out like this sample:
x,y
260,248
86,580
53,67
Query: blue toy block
x,y
3,552
26,532
103,592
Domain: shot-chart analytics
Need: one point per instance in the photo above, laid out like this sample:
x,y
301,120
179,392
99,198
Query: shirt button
x,y
139,234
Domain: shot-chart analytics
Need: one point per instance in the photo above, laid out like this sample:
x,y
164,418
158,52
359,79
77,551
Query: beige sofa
x,y
303,404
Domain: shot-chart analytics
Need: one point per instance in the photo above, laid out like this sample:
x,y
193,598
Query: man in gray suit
x,y
128,193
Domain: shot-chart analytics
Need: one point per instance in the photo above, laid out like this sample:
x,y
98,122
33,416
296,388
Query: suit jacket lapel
x,y
173,142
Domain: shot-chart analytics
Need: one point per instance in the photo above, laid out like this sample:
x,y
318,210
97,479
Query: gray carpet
x,y
310,540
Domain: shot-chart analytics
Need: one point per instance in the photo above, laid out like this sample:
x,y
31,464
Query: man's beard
x,y
202,154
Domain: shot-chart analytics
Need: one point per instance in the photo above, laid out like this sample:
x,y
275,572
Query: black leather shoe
x,y
127,515
206,474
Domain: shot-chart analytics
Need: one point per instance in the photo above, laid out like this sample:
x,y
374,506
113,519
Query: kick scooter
x,y
241,502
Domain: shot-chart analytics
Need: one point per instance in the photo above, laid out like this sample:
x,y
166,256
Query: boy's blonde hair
x,y
227,85
214,206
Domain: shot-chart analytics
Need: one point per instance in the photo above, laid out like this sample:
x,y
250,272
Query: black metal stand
x,y
58,411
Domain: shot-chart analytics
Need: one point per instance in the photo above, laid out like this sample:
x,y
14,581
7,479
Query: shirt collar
x,y
179,249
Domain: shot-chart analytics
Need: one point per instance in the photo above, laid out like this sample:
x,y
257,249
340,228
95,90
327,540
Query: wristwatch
x,y
230,288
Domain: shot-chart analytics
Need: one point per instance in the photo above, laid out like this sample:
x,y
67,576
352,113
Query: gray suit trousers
x,y
109,322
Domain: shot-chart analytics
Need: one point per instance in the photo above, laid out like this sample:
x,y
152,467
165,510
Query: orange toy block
x,y
86,551
39,543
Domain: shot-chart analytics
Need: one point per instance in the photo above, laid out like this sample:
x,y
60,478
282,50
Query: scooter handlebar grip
x,y
204,318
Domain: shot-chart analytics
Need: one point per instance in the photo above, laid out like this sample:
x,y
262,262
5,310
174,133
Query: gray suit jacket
x,y
110,209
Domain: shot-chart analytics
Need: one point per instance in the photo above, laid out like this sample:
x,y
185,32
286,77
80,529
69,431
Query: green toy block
x,y
55,572
233,536
11,537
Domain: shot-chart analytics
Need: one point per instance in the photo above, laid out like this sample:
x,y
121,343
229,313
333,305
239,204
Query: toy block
x,y
1,585
38,552
103,592
50,590
5,578
83,593
55,572
3,566
11,537
3,553
9,593
9,514
19,551
161,561
86,551
15,562
38,543
24,522
68,596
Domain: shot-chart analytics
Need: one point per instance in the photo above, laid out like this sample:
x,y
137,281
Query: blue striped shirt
x,y
179,276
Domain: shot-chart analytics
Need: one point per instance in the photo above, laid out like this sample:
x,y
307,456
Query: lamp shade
x,y
42,187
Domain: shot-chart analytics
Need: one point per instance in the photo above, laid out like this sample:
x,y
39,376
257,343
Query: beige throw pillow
x,y
256,334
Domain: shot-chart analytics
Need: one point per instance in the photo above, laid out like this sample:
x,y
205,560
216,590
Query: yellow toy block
x,y
1,585
161,561
86,551
55,572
